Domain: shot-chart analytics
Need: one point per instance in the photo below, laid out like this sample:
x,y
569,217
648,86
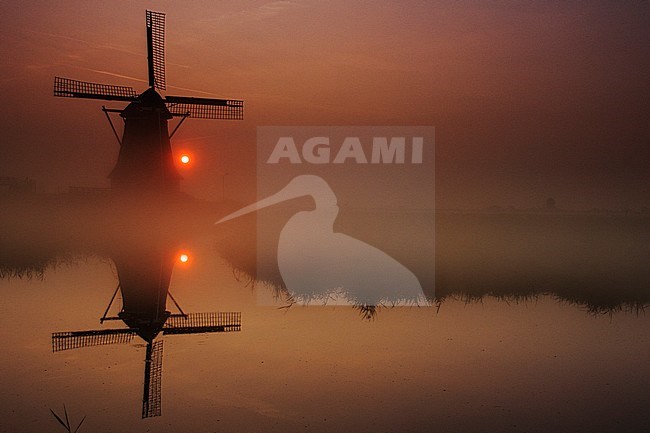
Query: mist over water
x,y
523,277
595,260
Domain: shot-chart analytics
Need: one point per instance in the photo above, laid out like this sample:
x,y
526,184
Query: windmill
x,y
145,159
144,285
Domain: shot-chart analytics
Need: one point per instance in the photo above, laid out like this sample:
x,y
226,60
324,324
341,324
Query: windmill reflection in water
x,y
144,278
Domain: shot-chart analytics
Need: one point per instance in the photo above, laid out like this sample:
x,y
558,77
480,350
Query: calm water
x,y
482,357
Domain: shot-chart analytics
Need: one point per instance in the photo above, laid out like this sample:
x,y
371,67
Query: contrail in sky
x,y
140,80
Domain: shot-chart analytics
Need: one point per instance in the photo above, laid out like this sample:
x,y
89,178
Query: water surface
x,y
556,340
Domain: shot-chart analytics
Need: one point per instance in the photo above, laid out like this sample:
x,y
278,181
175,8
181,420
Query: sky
x,y
529,100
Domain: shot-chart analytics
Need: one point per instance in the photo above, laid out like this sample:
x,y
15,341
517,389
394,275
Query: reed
x,y
66,424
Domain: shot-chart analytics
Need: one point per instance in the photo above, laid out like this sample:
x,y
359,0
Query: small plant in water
x,y
66,424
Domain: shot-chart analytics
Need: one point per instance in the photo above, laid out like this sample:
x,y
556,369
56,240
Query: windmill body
x,y
144,274
145,161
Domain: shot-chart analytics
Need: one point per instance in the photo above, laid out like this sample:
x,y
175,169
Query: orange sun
x,y
185,159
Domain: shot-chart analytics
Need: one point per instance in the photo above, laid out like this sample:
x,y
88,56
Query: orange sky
x,y
529,99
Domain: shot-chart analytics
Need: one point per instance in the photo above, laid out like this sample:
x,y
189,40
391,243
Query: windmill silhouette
x,y
145,159
144,277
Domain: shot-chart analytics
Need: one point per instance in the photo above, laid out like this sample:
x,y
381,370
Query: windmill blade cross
x,y
76,339
156,49
205,108
67,88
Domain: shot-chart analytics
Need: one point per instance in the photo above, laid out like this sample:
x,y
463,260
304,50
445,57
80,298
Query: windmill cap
x,y
148,102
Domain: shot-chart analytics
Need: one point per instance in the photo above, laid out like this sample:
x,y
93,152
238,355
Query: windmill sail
x,y
197,323
156,49
205,108
151,397
67,88
75,339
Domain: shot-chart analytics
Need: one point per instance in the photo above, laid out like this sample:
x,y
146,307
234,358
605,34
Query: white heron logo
x,y
313,259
